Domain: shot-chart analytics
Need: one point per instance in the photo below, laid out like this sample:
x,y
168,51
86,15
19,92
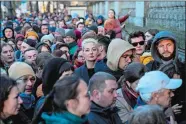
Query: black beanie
x,y
30,42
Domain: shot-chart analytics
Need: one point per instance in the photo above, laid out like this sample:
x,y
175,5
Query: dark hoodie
x,y
158,63
51,73
5,38
171,67
100,115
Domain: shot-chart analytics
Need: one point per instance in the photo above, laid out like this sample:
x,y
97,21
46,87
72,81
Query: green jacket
x,y
63,118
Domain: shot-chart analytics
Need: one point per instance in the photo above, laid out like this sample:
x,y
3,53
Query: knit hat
x,y
60,31
71,34
134,71
93,28
78,34
19,69
42,58
84,30
19,35
9,24
18,29
47,37
30,42
115,50
31,33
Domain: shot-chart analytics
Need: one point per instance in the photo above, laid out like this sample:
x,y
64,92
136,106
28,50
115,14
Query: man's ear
x,y
155,96
95,94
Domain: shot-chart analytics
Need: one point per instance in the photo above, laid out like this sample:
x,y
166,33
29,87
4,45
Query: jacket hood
x,y
115,50
51,73
160,36
10,29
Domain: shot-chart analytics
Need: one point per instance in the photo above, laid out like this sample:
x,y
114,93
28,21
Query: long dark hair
x,y
113,12
6,84
63,90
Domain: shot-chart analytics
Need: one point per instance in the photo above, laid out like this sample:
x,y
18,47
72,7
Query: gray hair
x,y
97,81
147,114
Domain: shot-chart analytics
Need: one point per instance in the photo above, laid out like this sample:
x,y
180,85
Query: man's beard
x,y
167,58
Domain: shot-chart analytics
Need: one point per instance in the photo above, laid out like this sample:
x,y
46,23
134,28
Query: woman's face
x,y
101,31
133,85
80,57
148,36
111,14
61,24
82,101
8,33
13,103
19,44
90,51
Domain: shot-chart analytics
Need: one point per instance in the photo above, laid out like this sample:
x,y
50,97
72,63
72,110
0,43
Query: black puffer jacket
x,y
100,115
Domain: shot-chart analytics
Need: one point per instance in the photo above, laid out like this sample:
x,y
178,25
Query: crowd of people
x,y
66,69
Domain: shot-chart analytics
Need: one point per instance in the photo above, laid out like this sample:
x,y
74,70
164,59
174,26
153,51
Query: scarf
x,y
77,64
28,100
131,94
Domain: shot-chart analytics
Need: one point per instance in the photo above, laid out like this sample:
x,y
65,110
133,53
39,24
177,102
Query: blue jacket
x,y
63,118
83,73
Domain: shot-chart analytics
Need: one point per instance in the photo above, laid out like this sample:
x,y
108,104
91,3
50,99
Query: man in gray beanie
x,y
70,39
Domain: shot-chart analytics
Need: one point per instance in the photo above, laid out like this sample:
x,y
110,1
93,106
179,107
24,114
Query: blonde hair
x,y
89,40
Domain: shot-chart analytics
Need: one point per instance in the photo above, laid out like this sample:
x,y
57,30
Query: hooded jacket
x,y
158,62
51,73
5,38
115,50
100,115
169,68
161,36
63,118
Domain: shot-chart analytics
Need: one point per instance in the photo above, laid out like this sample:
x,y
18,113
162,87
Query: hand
x,y
177,108
129,12
123,25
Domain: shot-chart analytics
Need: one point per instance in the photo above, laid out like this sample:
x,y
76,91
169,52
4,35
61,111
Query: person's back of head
x,y
133,72
147,114
104,40
55,102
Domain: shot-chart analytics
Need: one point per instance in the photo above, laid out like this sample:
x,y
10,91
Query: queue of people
x,y
66,69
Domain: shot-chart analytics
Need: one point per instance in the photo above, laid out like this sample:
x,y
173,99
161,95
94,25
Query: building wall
x,y
145,15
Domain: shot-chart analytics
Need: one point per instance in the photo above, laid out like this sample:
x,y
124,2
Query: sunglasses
x,y
140,43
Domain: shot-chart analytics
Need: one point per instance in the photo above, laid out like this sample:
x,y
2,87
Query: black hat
x,y
134,71
30,42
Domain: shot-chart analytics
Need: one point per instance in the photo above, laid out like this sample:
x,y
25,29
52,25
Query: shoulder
x,y
81,68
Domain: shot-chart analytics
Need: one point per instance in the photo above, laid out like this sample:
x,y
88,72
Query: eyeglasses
x,y
140,43
25,79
